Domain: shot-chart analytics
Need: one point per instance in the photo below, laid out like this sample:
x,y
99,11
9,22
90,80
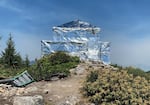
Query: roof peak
x,y
77,23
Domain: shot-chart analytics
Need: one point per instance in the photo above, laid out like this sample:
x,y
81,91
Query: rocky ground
x,y
56,92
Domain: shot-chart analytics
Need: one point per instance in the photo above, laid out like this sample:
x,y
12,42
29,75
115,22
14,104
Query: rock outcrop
x,y
28,100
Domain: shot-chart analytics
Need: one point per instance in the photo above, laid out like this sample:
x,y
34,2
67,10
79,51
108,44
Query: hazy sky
x,y
125,23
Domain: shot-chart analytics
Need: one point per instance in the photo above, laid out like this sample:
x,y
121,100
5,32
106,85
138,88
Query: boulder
x,y
28,100
70,100
80,69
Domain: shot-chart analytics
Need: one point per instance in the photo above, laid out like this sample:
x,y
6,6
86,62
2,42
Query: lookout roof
x,y
77,25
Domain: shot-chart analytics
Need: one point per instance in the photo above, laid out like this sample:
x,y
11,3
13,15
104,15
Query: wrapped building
x,y
78,38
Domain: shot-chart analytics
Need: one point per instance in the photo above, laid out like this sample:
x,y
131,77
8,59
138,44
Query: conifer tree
x,y
9,56
27,62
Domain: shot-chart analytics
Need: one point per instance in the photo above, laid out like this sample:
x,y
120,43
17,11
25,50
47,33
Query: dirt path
x,y
54,92
57,92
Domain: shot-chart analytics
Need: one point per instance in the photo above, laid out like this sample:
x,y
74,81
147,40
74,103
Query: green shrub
x,y
137,72
117,88
10,72
117,66
148,72
55,63
134,71
59,58
92,77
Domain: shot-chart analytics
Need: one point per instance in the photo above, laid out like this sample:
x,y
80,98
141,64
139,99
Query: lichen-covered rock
x,y
8,90
70,100
28,100
80,69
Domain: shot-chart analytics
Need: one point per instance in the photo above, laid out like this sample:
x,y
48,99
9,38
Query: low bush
x,y
117,66
55,63
137,72
10,72
116,88
134,71
92,77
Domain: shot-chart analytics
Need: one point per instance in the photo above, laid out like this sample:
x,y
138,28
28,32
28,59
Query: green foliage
x,y
117,66
92,77
148,72
10,58
137,72
10,72
134,71
59,58
117,88
27,62
11,62
53,64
